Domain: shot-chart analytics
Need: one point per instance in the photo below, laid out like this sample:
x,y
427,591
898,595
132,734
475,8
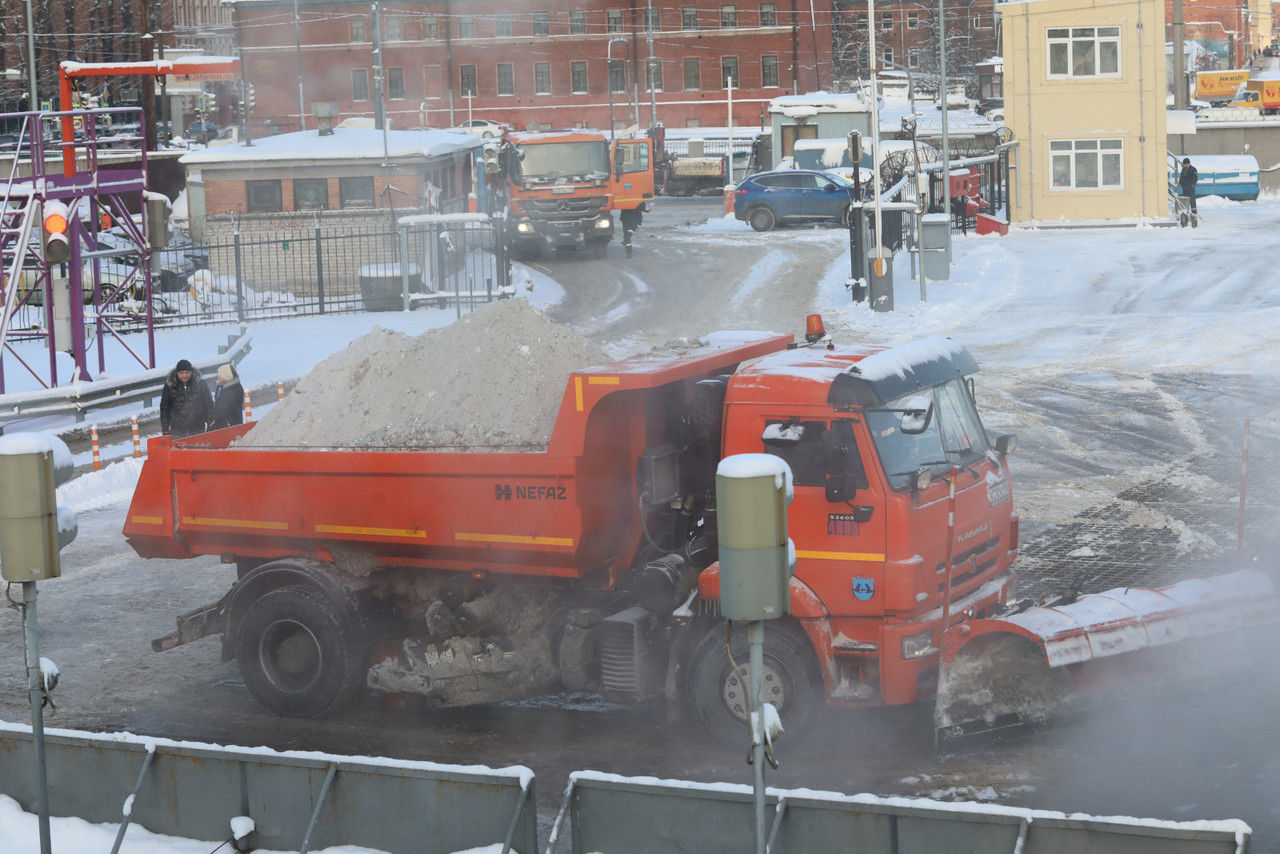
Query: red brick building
x,y
545,62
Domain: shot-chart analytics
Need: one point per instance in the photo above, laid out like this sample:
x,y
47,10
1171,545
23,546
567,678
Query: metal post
x,y
36,696
942,105
33,102
729,89
297,40
653,99
404,265
755,636
319,270
315,814
239,279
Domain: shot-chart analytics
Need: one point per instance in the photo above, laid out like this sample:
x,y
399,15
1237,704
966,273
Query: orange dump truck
x,y
563,187
470,577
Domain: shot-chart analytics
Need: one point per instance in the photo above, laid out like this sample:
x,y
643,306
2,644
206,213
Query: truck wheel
x,y
762,219
717,695
297,655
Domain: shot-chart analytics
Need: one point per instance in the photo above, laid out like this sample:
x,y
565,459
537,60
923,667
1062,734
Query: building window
x,y
357,30
431,27
1084,52
506,79
888,54
689,18
502,26
542,78
542,23
355,192
617,76
692,74
768,15
578,76
262,196
913,20
1087,164
395,29
651,19
768,71
729,72
577,23
886,20
613,20
466,27
359,84
655,75
467,80
310,194
979,23
395,84
728,17
913,59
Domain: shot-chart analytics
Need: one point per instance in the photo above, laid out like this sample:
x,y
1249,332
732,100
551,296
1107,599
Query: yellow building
x,y
1084,95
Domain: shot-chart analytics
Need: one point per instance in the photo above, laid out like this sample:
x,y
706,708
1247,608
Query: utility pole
x,y
33,99
297,40
1179,59
379,108
164,78
943,103
653,102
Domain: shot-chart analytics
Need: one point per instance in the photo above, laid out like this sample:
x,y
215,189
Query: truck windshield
x,y
955,435
553,161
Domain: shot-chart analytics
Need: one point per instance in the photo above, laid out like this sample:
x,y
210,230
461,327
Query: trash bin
x,y
382,286
935,235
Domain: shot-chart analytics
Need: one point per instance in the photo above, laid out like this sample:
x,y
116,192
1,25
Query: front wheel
x,y
298,655
717,693
762,219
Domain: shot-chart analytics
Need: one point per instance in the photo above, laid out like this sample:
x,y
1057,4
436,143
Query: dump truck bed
x,y
564,512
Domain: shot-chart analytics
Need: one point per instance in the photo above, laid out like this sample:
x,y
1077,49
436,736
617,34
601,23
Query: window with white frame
x,y
395,84
542,23
506,79
887,54
617,76
577,22
980,23
466,27
430,27
613,20
359,84
913,59
542,78
768,15
467,80
1084,51
886,20
578,77
357,30
395,29
651,19
1087,164
689,18
502,26
768,71
913,20
728,17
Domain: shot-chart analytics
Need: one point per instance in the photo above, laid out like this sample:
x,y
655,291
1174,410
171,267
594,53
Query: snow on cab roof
x,y
822,102
342,144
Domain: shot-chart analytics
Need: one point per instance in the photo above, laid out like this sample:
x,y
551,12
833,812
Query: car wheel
x,y
762,219
487,134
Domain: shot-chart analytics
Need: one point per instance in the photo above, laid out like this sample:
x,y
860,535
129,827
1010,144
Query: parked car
x,y
767,199
486,128
992,108
201,131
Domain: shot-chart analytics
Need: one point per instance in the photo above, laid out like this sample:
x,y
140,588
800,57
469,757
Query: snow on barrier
x,y
611,814
296,800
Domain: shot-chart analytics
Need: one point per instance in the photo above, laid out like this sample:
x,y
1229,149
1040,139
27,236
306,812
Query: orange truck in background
x,y
1260,93
563,187
1221,86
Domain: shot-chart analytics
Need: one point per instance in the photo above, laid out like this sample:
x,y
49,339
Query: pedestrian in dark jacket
x,y
630,221
1187,179
228,399
185,402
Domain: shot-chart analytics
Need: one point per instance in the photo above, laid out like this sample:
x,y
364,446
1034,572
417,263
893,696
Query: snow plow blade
x,y
1046,661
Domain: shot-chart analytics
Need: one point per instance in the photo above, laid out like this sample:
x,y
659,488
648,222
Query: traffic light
x,y
491,162
248,98
33,528
57,238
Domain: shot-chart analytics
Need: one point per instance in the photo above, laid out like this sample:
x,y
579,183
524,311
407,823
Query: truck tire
x,y
297,655
716,696
762,218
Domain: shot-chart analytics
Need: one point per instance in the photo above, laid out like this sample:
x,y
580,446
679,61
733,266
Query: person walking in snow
x,y
228,397
185,402
1187,179
630,220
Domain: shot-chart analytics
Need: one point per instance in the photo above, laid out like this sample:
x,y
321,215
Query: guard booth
x,y
464,260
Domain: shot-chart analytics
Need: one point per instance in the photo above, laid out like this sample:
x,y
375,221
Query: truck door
x,y
631,182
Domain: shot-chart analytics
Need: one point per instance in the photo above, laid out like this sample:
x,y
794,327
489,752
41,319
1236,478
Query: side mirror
x,y
831,188
916,415
1004,444
619,161
840,460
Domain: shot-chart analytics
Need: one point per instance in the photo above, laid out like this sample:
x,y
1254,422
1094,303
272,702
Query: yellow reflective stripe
x,y
147,520
867,556
577,392
374,532
234,523
603,380
514,538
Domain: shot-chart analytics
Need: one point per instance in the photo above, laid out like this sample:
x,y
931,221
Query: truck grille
x,y
563,208
626,663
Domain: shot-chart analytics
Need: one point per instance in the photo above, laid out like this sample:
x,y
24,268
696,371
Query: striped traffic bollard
x,y
248,410
137,444
279,391
93,445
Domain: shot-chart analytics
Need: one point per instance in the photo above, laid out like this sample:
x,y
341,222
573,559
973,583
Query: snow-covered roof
x,y
342,144
821,102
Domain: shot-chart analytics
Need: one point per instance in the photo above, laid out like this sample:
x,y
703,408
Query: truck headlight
x,y
524,227
918,646
604,222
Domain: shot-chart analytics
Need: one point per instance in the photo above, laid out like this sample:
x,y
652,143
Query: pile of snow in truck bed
x,y
493,379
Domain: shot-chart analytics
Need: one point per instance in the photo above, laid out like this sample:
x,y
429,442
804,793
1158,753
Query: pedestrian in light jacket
x,y
185,402
228,399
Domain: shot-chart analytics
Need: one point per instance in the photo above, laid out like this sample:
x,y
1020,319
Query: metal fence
x,y
273,267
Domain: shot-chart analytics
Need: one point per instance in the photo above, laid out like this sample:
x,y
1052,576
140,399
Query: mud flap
x,y
1048,661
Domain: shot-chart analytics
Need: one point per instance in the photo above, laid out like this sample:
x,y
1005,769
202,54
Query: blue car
x,y
767,199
